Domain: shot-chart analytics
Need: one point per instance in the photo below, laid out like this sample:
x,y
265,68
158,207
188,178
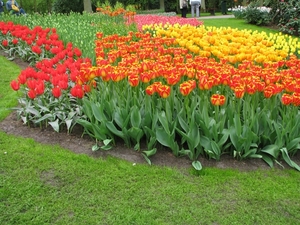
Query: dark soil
x,y
83,145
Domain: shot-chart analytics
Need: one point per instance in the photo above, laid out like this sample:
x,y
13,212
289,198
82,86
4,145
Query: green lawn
x,y
8,98
236,23
42,184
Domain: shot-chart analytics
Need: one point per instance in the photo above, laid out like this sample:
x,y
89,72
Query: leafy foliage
x,y
65,6
255,15
289,17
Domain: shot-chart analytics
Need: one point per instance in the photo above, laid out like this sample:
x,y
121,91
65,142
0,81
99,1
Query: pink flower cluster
x,y
142,20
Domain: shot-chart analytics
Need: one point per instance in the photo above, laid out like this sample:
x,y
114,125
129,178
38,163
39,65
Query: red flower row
x,y
58,73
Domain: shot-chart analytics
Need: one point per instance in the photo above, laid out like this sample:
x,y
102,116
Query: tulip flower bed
x,y
193,89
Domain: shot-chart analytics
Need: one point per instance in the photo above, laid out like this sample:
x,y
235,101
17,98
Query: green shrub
x,y
254,14
289,15
64,6
239,12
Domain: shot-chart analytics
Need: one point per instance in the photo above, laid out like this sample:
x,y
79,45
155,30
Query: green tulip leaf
x,y
182,121
268,160
97,110
164,121
287,159
118,119
106,147
272,150
146,158
135,118
107,141
45,117
95,147
216,150
205,142
163,137
294,144
151,152
114,130
55,125
135,133
250,154
197,165
98,132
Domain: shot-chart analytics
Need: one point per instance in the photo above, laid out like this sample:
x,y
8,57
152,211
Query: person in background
x,y
183,5
10,10
1,7
195,5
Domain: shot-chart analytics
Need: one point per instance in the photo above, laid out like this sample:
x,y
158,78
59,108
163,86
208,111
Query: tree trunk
x,y
87,5
162,4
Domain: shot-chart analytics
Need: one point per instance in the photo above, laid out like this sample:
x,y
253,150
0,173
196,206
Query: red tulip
x,y
40,87
31,94
15,41
56,92
77,52
31,83
36,49
77,91
5,43
15,85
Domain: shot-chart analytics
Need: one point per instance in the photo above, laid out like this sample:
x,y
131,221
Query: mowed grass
x,y
42,184
236,23
8,98
50,185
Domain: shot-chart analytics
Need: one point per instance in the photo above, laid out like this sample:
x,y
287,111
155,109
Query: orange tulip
x,y
173,79
239,91
217,100
133,80
296,99
187,87
164,91
269,91
287,99
145,77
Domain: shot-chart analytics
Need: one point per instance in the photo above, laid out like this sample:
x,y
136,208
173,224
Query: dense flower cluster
x,y
145,22
232,45
141,58
108,10
58,73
